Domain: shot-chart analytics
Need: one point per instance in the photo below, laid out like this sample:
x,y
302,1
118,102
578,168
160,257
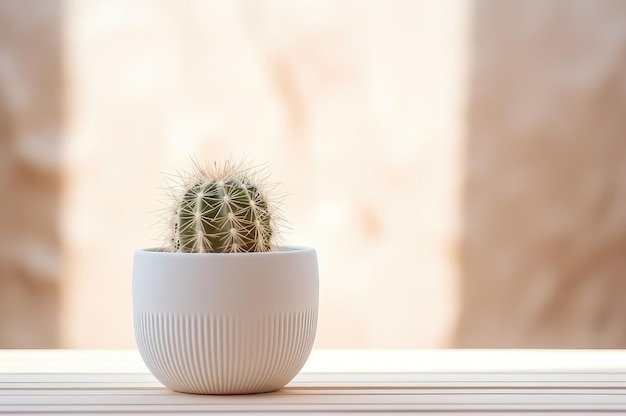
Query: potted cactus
x,y
223,308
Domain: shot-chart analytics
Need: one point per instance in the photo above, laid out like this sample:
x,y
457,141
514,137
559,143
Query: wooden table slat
x,y
338,382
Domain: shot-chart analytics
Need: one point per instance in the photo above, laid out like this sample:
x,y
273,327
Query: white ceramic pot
x,y
227,323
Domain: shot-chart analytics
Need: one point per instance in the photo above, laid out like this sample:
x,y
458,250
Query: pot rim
x,y
278,251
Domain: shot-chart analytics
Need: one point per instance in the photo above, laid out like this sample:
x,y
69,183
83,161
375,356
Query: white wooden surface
x,y
334,382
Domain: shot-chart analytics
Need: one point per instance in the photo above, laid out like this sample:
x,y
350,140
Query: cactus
x,y
223,210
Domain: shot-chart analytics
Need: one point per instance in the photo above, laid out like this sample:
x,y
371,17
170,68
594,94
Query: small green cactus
x,y
223,210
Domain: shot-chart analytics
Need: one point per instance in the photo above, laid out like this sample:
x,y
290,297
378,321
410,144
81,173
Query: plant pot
x,y
225,323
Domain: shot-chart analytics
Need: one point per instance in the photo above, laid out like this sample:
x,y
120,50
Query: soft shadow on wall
x,y
31,91
544,213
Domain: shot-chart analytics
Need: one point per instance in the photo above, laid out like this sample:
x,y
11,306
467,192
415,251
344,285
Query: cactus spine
x,y
222,210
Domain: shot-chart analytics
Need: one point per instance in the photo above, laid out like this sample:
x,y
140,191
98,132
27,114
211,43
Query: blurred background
x,y
460,166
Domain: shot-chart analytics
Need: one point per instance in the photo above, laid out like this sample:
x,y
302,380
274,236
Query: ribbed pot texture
x,y
225,323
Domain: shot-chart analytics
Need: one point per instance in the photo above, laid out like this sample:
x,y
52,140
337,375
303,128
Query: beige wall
x,y
359,116
457,164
